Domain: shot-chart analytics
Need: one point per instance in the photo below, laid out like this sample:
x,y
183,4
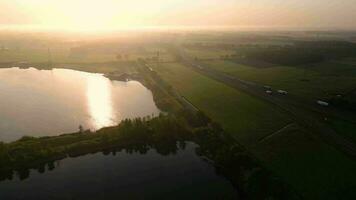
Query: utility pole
x,y
157,58
49,58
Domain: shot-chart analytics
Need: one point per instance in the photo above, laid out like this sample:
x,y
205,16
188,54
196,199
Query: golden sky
x,y
116,14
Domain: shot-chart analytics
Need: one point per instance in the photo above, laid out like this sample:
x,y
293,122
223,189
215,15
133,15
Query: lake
x,y
122,175
52,102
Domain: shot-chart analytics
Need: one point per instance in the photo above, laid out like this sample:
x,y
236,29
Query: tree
x,y
81,130
203,118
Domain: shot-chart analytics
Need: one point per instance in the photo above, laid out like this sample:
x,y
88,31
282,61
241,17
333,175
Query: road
x,y
306,116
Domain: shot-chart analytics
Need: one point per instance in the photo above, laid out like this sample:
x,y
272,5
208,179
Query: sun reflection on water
x,y
99,100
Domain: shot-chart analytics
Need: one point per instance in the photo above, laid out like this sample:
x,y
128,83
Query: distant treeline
x,y
210,46
298,54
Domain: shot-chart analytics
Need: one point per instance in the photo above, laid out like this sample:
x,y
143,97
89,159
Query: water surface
x,y
149,175
51,102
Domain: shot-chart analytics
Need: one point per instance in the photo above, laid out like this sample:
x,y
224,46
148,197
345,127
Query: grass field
x,y
90,55
316,81
346,128
312,167
325,81
315,169
239,113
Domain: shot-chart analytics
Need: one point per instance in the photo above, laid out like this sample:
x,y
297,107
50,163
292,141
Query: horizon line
x,y
36,27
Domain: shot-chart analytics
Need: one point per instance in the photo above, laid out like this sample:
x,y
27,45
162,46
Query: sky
x,y
116,14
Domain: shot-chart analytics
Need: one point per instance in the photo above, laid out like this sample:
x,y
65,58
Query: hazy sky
x,y
112,14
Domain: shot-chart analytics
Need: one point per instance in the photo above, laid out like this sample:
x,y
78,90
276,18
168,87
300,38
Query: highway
x,y
304,114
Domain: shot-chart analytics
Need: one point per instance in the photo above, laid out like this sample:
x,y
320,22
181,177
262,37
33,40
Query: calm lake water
x,y
52,102
182,175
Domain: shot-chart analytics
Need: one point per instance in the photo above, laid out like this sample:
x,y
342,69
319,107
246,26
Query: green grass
x,y
345,128
247,118
315,169
324,79
28,55
64,55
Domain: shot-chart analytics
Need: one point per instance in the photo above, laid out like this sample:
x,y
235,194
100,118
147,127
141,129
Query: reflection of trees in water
x,y
164,148
162,134
167,135
24,173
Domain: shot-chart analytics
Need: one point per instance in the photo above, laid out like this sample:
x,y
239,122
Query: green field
x,y
74,53
306,84
346,128
312,167
239,113
315,81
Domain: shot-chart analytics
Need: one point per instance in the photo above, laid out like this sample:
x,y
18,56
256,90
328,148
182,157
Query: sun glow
x,y
90,15
98,15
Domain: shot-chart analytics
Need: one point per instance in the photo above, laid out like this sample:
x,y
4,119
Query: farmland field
x,y
224,104
311,82
288,150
